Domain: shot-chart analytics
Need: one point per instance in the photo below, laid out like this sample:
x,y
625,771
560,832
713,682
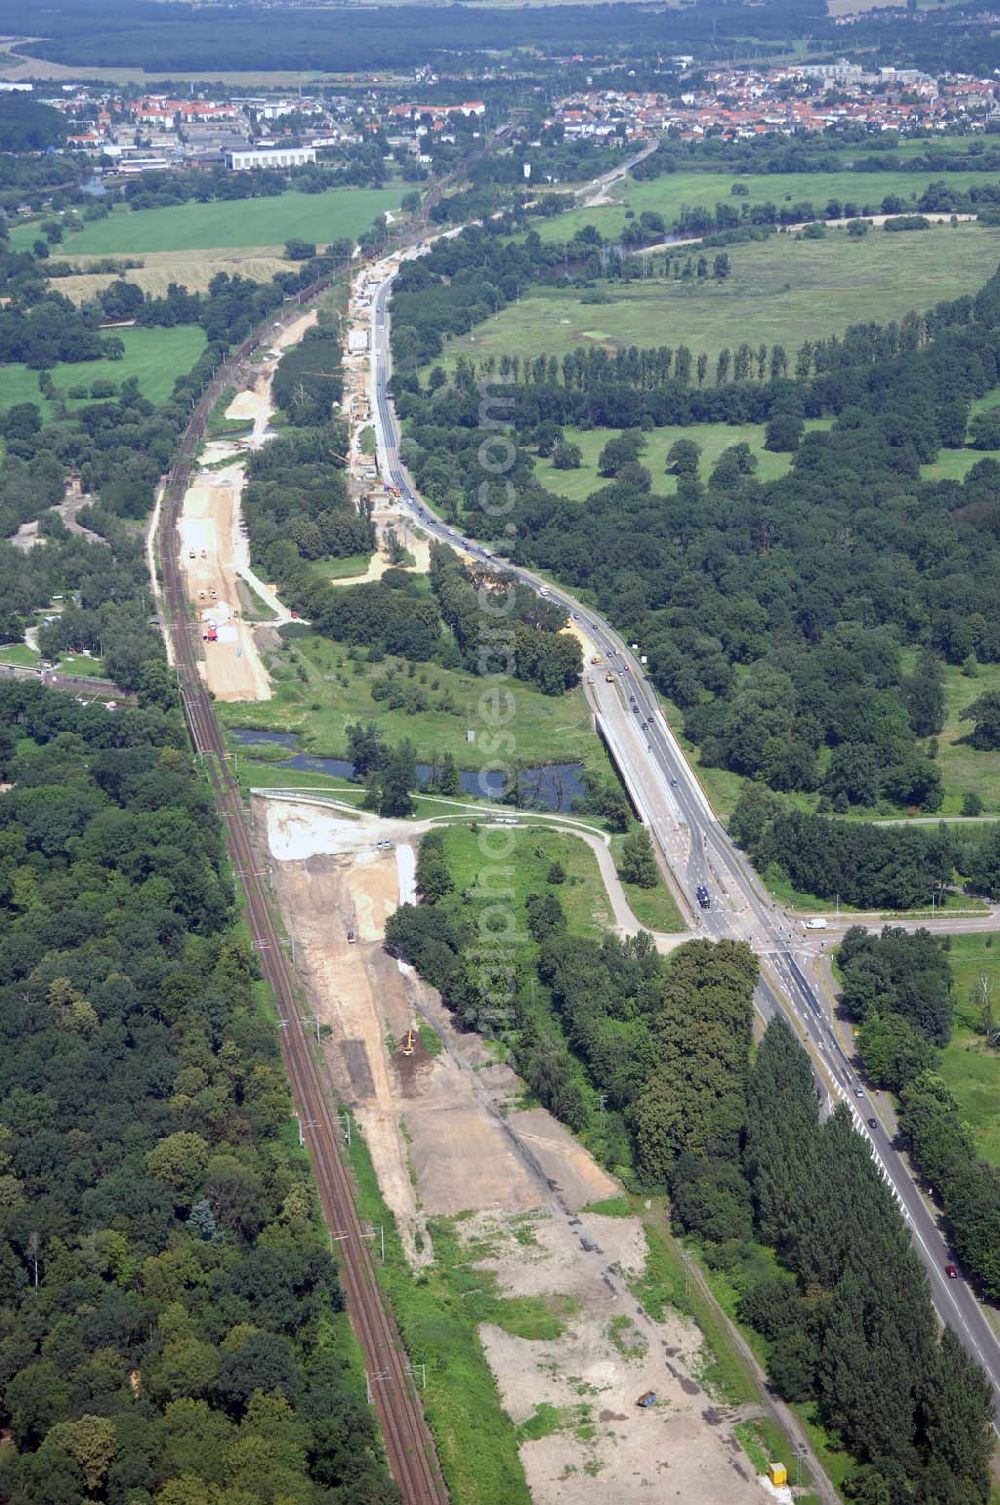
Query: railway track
x,y
409,1446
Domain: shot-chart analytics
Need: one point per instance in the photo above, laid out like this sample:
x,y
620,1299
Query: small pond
x,y
549,786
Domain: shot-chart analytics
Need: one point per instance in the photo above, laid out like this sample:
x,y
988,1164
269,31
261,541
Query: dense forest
x,y
897,989
794,1211
773,614
27,125
189,39
169,1302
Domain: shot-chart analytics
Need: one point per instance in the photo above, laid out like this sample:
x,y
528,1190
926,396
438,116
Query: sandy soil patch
x,y
215,549
292,333
573,1174
207,526
245,405
608,1355
360,994
461,1157
298,831
373,884
330,878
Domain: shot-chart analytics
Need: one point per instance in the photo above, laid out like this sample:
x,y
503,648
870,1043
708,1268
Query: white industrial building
x,y
282,156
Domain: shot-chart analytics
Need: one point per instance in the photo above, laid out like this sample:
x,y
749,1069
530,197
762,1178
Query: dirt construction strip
x,y
215,551
448,1135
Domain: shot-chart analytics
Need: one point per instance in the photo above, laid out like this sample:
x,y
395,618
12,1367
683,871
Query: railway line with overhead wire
x,y
409,1446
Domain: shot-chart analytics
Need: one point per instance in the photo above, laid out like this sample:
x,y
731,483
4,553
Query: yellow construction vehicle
x,y
409,1042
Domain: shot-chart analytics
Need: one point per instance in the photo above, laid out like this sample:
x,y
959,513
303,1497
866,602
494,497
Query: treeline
x,y
295,501
169,1303
848,1317
107,32
53,329
28,125
847,148
868,866
121,447
298,511
531,644
40,181
899,973
309,379
897,988
653,1035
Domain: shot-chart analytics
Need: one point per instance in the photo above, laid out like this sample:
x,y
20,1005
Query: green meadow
x,y
970,1069
712,439
783,291
155,357
230,223
671,193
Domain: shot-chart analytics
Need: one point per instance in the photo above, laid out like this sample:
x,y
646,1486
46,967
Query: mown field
x,y
782,292
321,217
673,192
713,438
156,357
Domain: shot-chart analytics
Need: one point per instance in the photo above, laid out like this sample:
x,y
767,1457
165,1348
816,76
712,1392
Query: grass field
x,y
319,691
781,292
81,665
673,192
155,356
713,438
343,568
955,464
970,1069
653,907
320,217
964,768
19,654
582,895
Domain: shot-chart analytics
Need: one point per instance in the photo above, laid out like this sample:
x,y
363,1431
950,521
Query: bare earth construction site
x,y
214,550
448,1139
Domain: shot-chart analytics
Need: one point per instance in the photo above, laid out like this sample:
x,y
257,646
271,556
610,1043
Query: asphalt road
x,y
667,794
